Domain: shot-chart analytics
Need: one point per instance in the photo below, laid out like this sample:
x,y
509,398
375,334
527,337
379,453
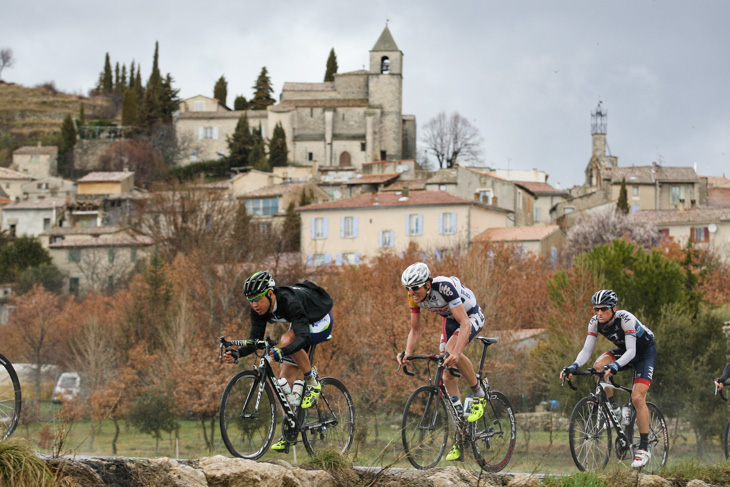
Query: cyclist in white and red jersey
x,y
462,321
636,348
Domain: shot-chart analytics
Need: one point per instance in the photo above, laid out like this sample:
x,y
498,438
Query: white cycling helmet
x,y
415,275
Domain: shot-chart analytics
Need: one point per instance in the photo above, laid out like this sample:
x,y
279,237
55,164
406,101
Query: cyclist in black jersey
x,y
635,347
719,382
306,307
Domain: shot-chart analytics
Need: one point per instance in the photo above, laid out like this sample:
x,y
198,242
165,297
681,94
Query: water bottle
x,y
297,392
468,402
625,415
284,384
457,404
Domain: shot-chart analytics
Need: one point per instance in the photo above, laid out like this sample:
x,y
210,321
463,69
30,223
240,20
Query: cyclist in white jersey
x,y
462,321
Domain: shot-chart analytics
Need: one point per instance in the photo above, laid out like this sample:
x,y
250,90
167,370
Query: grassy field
x,y
536,451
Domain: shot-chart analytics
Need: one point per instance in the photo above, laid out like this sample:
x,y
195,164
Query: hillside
x,y
25,112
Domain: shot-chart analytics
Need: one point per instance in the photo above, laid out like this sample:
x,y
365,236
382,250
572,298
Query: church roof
x,y
651,174
385,42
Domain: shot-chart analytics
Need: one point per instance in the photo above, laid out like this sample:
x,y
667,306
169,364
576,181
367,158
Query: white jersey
x,y
446,293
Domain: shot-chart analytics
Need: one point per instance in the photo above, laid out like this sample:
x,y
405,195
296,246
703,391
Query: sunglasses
x,y
258,297
414,288
598,308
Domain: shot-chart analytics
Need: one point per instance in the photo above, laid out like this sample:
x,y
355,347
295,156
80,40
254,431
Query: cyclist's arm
x,y
585,353
725,374
258,326
414,335
630,353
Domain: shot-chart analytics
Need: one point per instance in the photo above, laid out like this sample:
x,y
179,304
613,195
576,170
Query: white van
x,y
67,387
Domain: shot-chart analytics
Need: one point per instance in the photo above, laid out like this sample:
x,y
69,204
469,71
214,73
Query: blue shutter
x,y
454,223
327,259
313,230
420,225
354,226
408,232
392,238
215,133
342,227
441,223
437,253
338,259
357,257
310,260
380,239
325,227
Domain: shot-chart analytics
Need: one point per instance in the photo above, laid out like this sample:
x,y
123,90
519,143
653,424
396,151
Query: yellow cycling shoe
x,y
311,395
454,454
281,445
477,409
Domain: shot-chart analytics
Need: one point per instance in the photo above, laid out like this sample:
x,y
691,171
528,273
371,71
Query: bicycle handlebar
x,y
225,345
431,358
589,371
721,391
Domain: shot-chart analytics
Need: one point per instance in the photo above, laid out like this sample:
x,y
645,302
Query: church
x,y
355,119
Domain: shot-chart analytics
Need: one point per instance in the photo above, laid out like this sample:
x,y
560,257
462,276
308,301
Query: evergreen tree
x,y
131,76
107,81
262,91
240,103
117,78
220,90
123,79
622,204
277,147
138,84
22,253
66,149
329,75
257,158
160,99
82,114
129,108
292,230
240,143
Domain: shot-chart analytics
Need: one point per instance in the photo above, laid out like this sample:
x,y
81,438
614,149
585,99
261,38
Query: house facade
x,y
12,182
33,216
348,230
705,227
36,161
544,240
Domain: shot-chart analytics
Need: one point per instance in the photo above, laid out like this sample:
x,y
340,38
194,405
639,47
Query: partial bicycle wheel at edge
x,y
494,434
330,423
247,415
425,427
727,440
10,398
589,436
658,438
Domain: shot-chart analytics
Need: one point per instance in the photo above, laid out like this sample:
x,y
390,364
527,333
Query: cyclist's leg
x,y
605,359
643,373
318,333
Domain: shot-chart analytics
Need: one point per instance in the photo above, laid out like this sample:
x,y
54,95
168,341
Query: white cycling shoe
x,y
641,458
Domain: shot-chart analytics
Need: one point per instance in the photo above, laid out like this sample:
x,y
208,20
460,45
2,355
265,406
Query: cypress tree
x,y
257,158
129,108
66,149
107,81
220,90
240,143
329,75
277,147
131,76
622,204
160,99
82,114
240,103
117,77
262,91
292,225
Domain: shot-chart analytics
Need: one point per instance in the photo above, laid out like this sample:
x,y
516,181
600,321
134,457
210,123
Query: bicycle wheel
x,y
247,415
425,427
330,423
727,440
10,399
589,435
494,434
658,438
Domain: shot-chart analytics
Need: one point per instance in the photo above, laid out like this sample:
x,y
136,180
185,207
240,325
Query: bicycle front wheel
x,y
589,435
425,427
247,415
330,423
658,438
493,435
727,440
10,399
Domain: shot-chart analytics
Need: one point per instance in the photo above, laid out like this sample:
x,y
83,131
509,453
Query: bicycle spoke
x,y
589,436
494,434
425,427
10,399
330,423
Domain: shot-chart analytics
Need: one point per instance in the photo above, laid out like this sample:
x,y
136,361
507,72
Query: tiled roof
x,y
353,73
6,173
516,234
323,103
390,199
119,241
385,42
540,188
695,215
413,185
275,190
294,86
717,182
651,174
374,178
718,197
32,149
444,176
56,231
105,177
36,204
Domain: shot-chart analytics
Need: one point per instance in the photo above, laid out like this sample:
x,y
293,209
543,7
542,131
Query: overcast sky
x,y
526,73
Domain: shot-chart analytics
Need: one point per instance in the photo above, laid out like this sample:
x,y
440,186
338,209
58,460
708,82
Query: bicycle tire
x,y
494,434
247,428
658,438
330,423
10,398
589,429
425,427
727,440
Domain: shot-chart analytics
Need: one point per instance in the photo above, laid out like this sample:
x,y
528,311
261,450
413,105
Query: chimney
x,y
405,190
494,200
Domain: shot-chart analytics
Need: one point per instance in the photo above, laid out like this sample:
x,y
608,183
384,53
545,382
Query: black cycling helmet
x,y
605,297
258,283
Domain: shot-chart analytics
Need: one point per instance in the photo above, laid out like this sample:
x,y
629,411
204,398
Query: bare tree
x,y
6,59
451,138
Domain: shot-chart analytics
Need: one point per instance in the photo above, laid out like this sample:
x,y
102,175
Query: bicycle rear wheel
x,y
247,415
727,440
330,423
494,434
425,427
589,435
658,438
10,398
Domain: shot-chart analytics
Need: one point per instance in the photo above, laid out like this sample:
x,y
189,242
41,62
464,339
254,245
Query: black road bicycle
x,y
593,419
429,411
248,412
10,399
726,436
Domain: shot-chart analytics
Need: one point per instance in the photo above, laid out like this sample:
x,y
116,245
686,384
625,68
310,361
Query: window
x,y
351,258
110,255
74,255
383,155
519,199
384,65
677,195
414,224
386,238
133,255
110,283
635,191
536,214
348,227
199,106
363,146
310,156
700,234
194,157
208,222
46,223
264,228
485,196
447,223
73,285
319,228
322,259
35,158
11,229
208,133
262,207
553,258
